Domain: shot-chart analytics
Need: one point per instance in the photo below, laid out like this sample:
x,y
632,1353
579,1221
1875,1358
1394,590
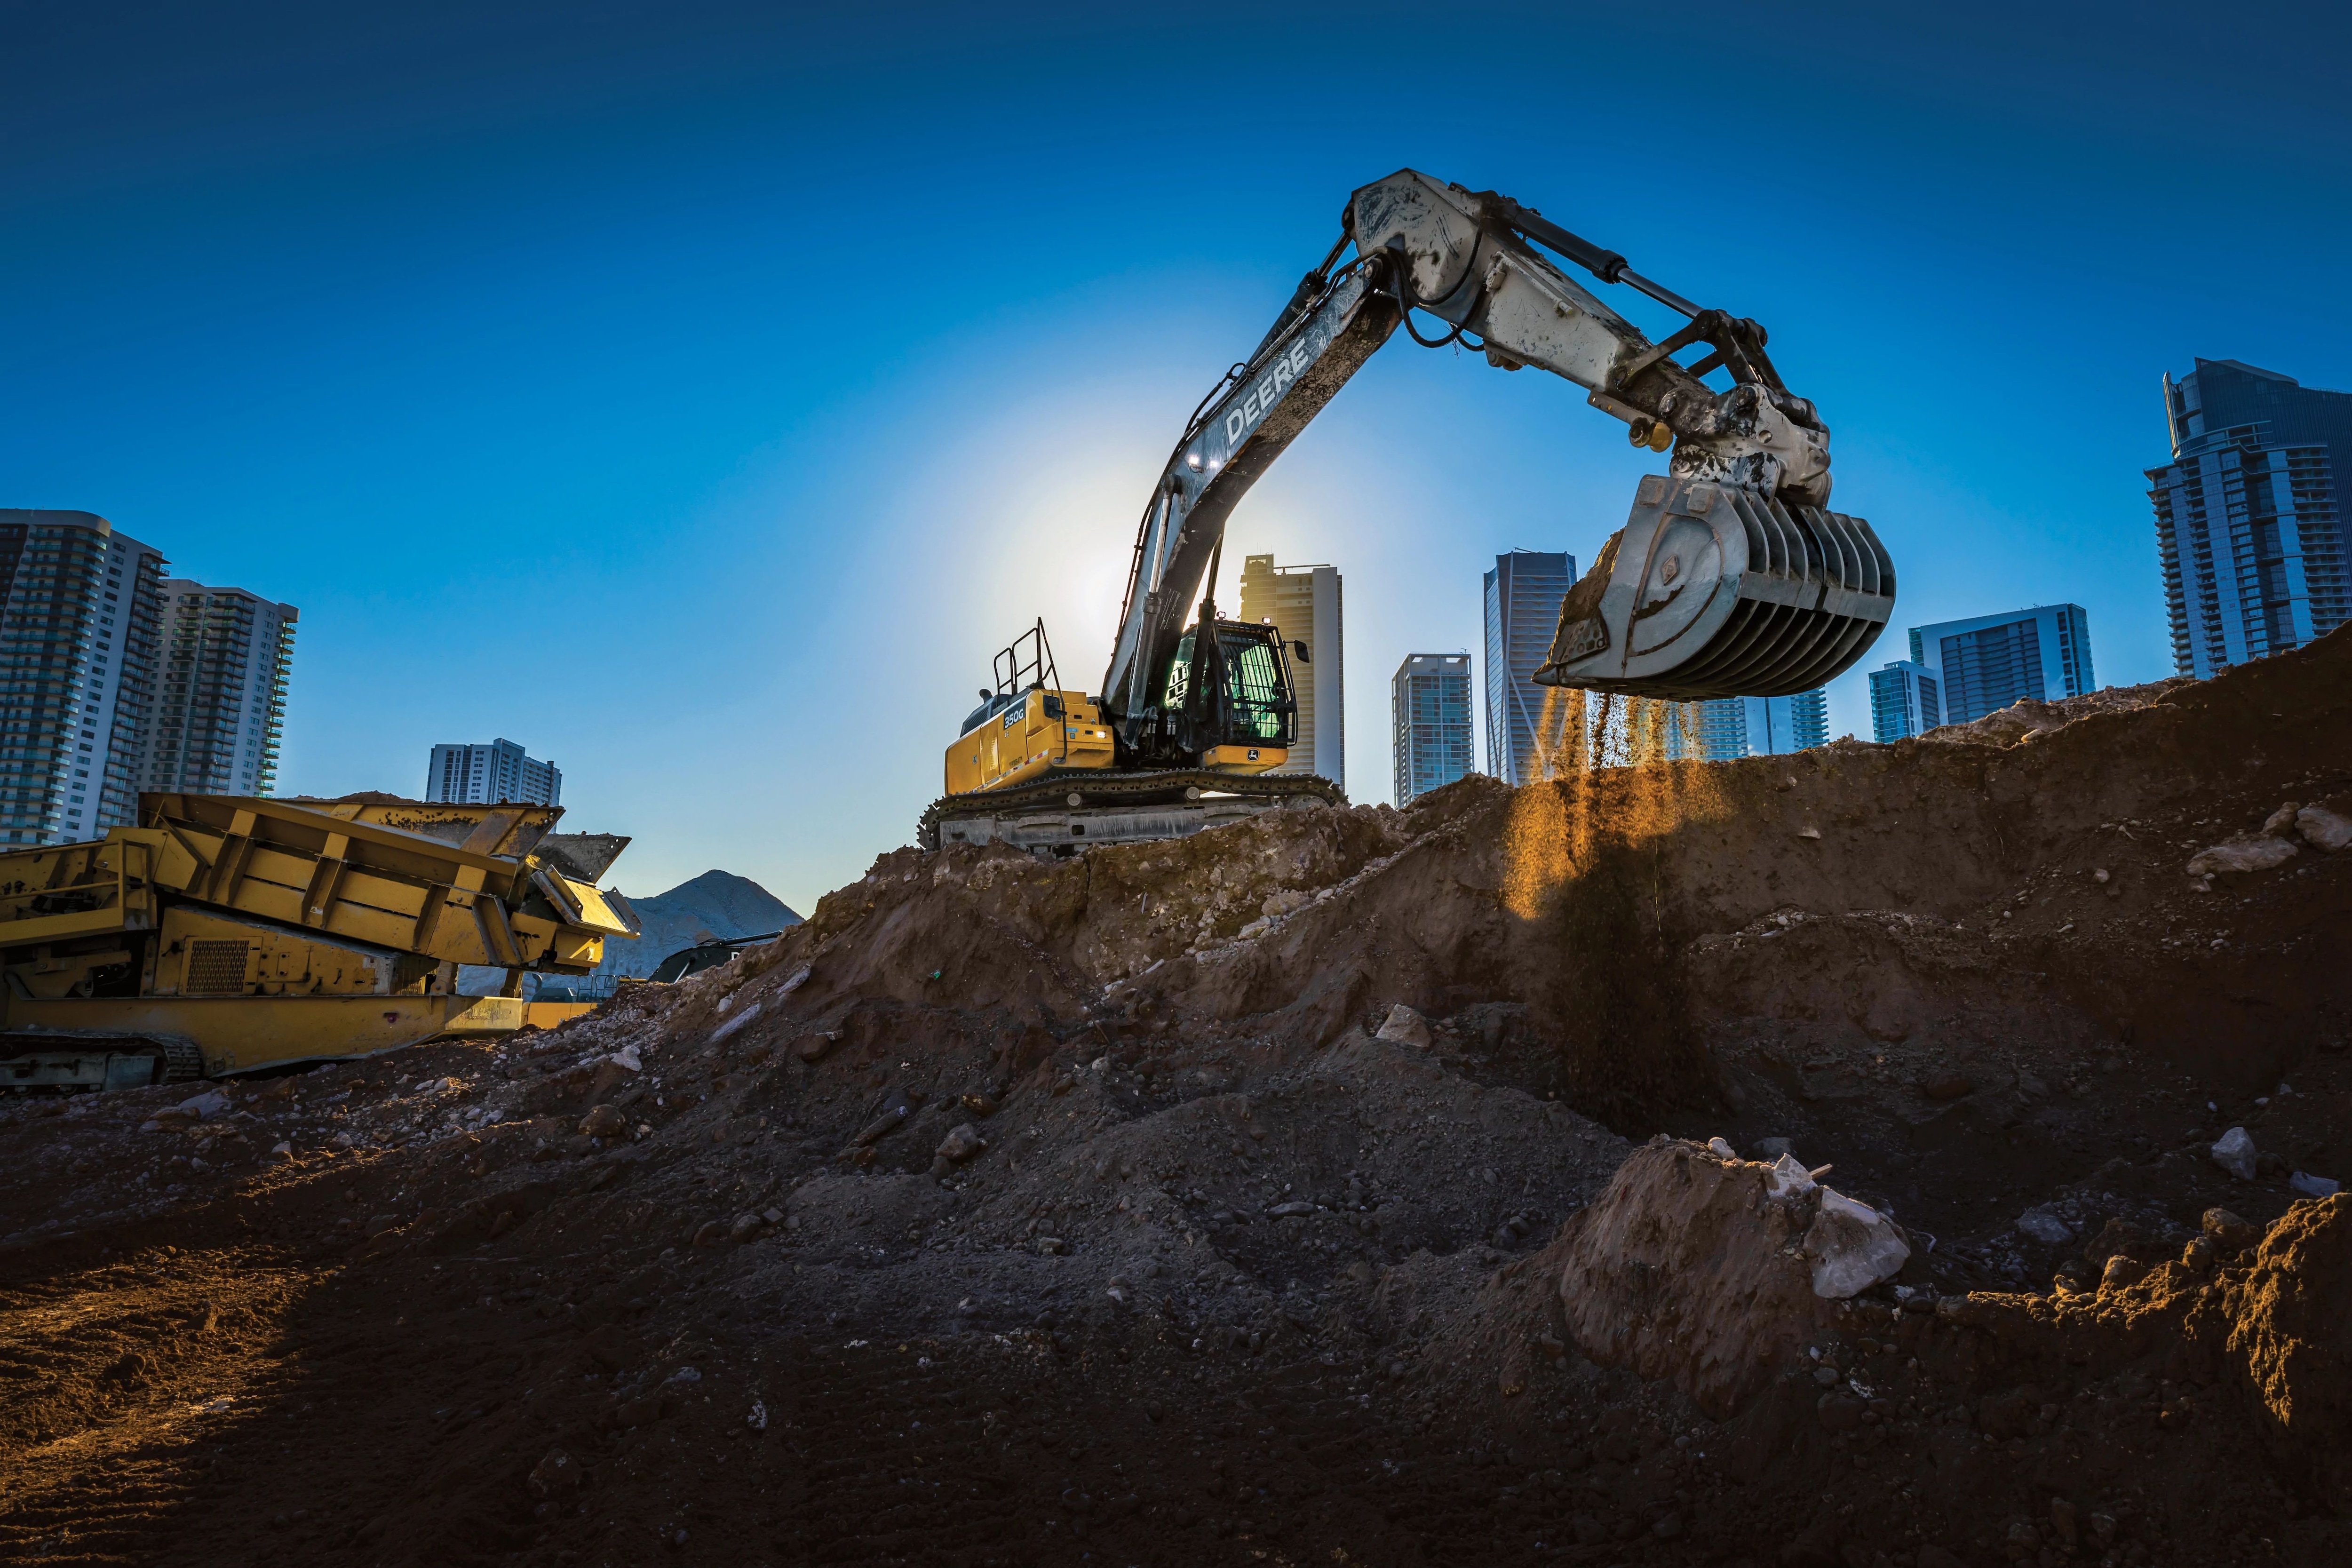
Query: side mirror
x,y
1298,652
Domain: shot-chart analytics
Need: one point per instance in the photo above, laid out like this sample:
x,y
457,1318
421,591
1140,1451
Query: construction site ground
x,y
1017,1212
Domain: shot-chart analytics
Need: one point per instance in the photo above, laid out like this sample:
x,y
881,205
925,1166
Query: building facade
x,y
78,654
1522,612
1303,604
488,775
1984,664
1432,730
2253,525
220,705
1722,728
1904,701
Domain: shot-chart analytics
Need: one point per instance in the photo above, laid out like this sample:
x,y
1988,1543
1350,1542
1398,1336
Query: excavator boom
x,y
1730,577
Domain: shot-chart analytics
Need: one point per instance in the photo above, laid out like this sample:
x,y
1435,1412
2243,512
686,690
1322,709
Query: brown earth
x,y
1020,1212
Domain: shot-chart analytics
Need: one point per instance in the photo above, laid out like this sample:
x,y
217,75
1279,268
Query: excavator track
x,y
1054,815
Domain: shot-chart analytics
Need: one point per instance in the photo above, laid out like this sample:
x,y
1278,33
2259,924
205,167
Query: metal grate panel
x,y
216,968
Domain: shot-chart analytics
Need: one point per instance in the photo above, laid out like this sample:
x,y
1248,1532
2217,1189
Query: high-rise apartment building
x,y
486,776
1722,728
1429,707
220,704
1522,599
1984,664
1904,699
1303,604
2253,522
77,670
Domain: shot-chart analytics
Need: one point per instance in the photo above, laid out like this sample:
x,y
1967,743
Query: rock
x,y
2044,1225
2323,829
2061,1520
1723,1147
745,1227
710,1233
1668,1528
1290,1210
380,1224
2198,1255
964,1140
2234,1153
1405,1027
2240,856
1852,1245
2281,823
2228,1233
555,1475
1827,1376
1948,1085
281,1150
203,1107
1773,1148
604,1121
1052,1246
1684,1267
2313,1186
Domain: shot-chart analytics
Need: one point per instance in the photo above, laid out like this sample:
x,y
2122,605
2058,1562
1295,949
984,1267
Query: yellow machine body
x,y
227,933
1026,737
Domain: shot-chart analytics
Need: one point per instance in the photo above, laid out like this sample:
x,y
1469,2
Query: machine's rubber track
x,y
1123,789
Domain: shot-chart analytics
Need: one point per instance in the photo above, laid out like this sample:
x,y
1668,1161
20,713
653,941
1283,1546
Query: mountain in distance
x,y
717,904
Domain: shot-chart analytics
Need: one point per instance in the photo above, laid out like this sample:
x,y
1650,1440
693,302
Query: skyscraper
x,y
484,775
1429,707
1904,701
1985,663
221,703
1728,727
2252,523
1523,595
1303,604
77,667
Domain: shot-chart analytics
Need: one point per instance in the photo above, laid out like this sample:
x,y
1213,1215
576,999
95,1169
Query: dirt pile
x,y
1012,1211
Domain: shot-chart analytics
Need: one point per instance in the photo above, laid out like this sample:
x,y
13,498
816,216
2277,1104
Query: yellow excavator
x,y
1729,578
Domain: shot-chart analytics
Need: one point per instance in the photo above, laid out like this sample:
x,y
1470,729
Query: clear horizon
x,y
700,395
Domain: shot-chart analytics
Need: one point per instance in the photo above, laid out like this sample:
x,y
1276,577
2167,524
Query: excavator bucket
x,y
1717,590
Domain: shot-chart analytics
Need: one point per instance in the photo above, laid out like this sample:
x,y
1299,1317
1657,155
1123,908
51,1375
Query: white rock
x,y
626,1056
1405,1027
2044,1225
1852,1245
2234,1153
206,1106
2323,829
1723,1148
2313,1186
2240,856
735,1023
1790,1179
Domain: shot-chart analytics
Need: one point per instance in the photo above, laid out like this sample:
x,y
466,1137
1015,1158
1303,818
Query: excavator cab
x,y
1230,698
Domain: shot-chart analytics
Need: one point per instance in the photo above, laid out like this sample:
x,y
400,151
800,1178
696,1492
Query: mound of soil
x,y
1213,1200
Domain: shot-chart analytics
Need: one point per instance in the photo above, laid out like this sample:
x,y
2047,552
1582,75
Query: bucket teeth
x,y
1716,590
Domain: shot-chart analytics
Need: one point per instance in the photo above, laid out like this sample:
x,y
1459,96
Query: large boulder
x,y
1707,1269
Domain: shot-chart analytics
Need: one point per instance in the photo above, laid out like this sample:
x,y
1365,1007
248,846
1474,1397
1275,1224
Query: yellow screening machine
x,y
229,932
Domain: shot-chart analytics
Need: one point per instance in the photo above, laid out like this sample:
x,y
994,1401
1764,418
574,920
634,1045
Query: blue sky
x,y
699,395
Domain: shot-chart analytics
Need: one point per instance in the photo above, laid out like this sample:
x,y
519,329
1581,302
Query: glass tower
x,y
2251,521
1429,704
1523,595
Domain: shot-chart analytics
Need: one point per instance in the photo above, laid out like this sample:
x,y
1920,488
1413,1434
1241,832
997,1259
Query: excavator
x,y
1731,577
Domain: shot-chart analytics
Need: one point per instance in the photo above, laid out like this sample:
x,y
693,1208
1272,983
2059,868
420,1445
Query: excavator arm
x,y
1729,578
